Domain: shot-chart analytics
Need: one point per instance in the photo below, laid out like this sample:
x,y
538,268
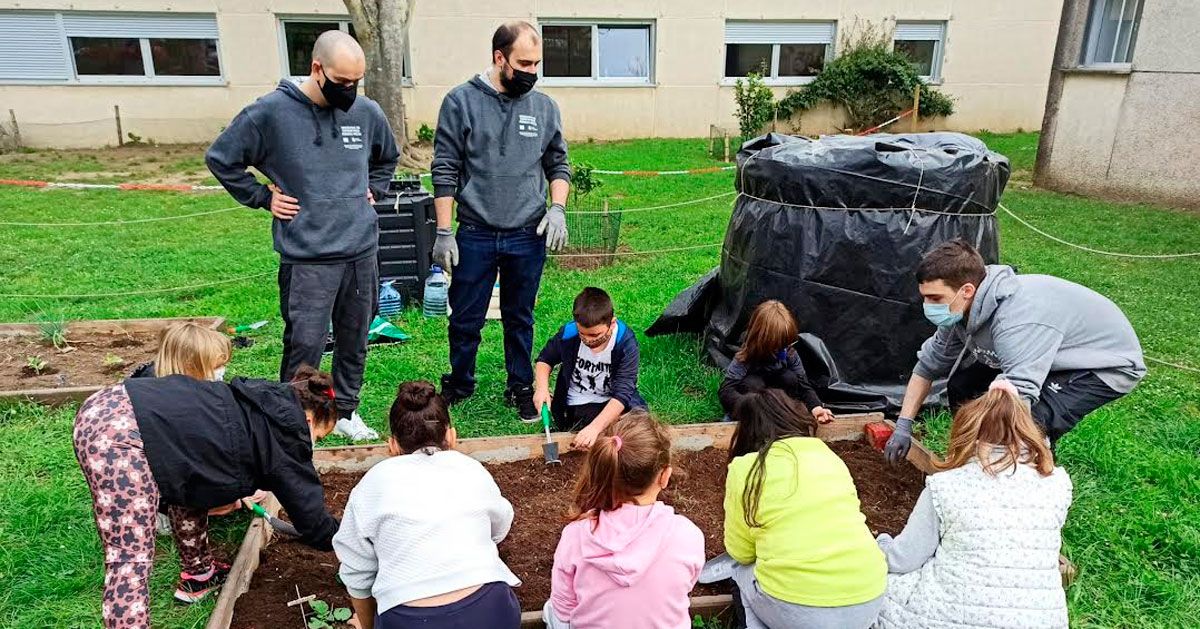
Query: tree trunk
x,y
381,27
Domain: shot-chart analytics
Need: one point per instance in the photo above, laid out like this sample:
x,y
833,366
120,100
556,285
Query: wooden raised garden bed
x,y
69,362
506,456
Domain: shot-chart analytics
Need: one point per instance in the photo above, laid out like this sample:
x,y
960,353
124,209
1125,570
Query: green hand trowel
x,y
277,524
550,448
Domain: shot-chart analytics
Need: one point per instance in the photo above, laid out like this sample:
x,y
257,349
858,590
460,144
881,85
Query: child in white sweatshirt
x,y
418,538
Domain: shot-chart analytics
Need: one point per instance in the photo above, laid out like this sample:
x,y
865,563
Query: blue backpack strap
x,y
621,330
570,331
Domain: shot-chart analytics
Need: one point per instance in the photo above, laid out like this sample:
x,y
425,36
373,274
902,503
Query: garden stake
x,y
550,448
277,524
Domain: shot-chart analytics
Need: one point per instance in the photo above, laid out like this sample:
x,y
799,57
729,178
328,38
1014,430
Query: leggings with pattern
x,y
125,497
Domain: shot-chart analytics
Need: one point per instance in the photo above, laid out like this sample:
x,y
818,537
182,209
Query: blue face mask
x,y
941,315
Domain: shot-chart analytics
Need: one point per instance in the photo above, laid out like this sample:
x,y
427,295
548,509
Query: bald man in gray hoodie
x,y
1067,349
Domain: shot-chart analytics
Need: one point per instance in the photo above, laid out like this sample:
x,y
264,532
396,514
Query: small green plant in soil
x,y
326,617
583,180
54,333
112,362
35,365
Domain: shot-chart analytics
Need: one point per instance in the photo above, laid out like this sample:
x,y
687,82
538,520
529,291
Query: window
x,y
782,52
921,42
1112,32
597,53
296,39
109,48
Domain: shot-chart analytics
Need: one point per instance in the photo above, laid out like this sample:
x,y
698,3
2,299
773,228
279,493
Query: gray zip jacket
x,y
495,154
1030,325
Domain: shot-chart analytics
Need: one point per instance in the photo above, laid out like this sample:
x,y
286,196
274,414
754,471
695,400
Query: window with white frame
x,y
922,43
109,47
1112,32
779,51
298,35
599,52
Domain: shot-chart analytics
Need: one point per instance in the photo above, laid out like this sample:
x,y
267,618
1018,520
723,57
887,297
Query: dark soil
x,y
84,365
540,496
587,258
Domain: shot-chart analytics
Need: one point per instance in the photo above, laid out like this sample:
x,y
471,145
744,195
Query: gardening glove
x,y
445,249
554,227
901,440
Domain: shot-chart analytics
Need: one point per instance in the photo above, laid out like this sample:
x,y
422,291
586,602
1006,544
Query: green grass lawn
x,y
1134,529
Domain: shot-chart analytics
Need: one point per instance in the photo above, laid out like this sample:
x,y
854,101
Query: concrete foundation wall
x,y
995,65
1131,132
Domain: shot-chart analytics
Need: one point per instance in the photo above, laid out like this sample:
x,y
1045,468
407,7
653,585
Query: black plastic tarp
x,y
835,229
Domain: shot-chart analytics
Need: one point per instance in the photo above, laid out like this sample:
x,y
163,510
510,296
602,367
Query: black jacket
x,y
562,349
787,374
211,443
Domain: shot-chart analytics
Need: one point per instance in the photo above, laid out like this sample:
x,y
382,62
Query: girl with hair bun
x,y
418,538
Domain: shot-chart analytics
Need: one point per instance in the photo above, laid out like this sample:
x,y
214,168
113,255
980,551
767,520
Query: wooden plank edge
x,y
51,397
703,605
112,326
241,573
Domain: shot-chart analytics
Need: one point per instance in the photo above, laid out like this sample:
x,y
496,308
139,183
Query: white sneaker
x,y
354,429
718,568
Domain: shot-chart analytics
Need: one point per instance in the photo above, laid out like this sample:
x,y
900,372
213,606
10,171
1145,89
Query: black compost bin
x,y
407,228
835,228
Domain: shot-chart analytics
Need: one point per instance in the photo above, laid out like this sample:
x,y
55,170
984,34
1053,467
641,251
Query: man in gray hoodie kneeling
x,y
498,143
1067,349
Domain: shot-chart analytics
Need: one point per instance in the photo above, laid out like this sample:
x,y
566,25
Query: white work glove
x,y
554,227
445,249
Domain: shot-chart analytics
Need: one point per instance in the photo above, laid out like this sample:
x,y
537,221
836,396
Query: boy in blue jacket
x,y
597,382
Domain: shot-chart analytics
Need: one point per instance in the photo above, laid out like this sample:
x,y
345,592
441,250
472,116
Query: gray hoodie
x,y
324,157
1029,325
494,154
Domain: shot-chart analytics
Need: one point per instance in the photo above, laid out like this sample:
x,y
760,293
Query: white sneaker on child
x,y
354,429
162,525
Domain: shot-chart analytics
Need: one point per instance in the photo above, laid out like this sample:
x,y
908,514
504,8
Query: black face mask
x,y
340,96
520,83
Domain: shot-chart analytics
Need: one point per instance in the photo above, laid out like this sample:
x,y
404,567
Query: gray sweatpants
x,y
312,295
764,611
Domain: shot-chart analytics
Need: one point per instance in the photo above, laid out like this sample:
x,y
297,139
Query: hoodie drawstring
x,y
312,109
333,131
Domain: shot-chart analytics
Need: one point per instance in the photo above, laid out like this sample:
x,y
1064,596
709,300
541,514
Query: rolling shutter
x,y
140,25
32,48
919,31
779,32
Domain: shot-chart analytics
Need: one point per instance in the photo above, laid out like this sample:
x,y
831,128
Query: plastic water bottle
x,y
390,303
437,289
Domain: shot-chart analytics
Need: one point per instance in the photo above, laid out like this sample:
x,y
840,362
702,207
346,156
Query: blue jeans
x,y
518,256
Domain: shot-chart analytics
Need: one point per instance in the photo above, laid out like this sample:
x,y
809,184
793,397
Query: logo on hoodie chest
x,y
527,125
352,137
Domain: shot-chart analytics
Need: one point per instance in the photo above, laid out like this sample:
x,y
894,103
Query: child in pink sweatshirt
x,y
627,560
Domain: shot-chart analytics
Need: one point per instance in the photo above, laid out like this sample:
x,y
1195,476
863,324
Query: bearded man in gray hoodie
x,y
499,146
328,153
1067,349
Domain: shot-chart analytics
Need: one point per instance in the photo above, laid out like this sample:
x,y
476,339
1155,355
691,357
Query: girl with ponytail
x,y
625,559
418,538
987,528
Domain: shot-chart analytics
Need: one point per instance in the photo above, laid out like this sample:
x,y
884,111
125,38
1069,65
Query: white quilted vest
x,y
997,563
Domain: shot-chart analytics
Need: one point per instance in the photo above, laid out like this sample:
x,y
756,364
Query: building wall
x,y
1128,133
995,64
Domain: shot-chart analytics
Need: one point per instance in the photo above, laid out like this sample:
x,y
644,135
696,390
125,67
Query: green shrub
x,y
425,133
870,80
755,105
583,179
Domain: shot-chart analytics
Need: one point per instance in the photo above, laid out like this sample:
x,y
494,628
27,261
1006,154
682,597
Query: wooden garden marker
x,y
726,134
303,599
